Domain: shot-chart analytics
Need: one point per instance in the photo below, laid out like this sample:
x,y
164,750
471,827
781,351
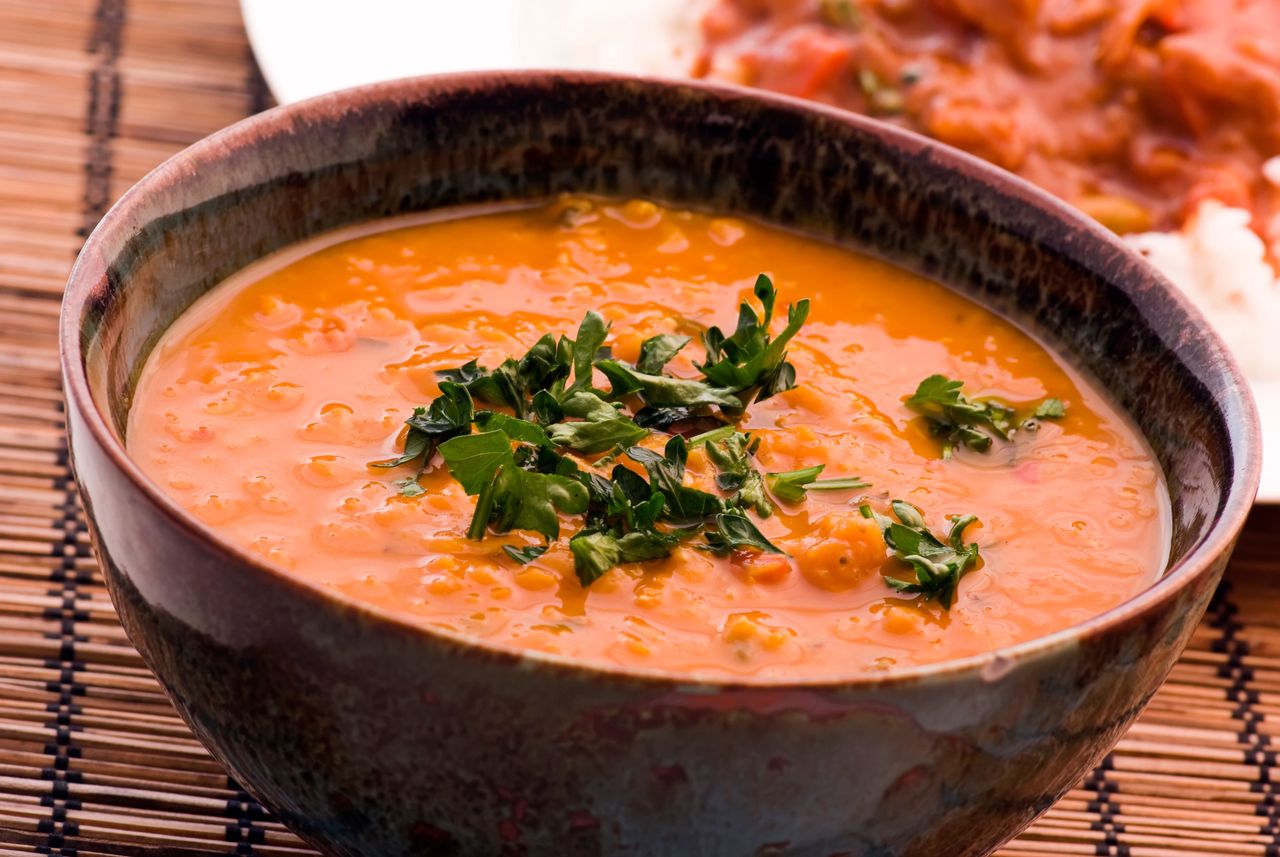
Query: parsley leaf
x,y
662,418
794,485
666,474
956,419
664,391
415,443
604,425
1051,409
790,484
474,459
732,456
509,497
735,530
526,554
410,487
467,373
521,430
451,411
594,553
975,423
938,565
589,406
547,408
592,333
530,501
599,436
449,415
514,382
656,352
749,362
625,530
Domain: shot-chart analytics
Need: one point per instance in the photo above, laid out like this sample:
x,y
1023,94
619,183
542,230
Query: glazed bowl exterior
x,y
369,736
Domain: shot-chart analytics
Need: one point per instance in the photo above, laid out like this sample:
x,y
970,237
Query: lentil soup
x,y
274,411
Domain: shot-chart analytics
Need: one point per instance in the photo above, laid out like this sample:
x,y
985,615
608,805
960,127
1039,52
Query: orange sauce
x,y
262,408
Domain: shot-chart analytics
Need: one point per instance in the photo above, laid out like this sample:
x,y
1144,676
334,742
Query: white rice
x,y
1222,266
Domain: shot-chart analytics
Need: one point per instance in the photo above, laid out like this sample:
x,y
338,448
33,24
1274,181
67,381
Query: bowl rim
x,y
1236,406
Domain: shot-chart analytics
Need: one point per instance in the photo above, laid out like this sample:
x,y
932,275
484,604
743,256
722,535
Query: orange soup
x,y
614,481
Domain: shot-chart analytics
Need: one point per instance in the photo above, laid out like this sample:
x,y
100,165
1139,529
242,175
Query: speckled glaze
x,y
371,737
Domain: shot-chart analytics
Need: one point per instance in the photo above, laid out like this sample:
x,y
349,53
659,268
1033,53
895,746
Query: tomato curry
x,y
1132,110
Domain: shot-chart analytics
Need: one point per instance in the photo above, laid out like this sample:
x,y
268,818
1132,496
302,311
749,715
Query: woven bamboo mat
x,y
93,761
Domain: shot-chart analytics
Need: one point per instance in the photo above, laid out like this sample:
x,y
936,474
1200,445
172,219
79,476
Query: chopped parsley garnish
x,y
684,505
1050,409
733,455
664,391
735,530
623,526
510,497
937,565
794,485
975,423
590,437
956,419
656,352
595,553
526,554
450,415
750,363
529,465
515,463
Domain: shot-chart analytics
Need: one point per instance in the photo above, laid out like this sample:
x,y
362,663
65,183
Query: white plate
x,y
308,47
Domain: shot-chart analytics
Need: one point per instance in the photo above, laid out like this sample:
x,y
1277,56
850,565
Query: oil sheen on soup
x,y
271,409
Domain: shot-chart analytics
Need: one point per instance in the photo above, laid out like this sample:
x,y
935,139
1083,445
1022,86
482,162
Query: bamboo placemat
x,y
94,761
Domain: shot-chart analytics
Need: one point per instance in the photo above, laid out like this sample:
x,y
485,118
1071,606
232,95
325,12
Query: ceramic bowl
x,y
369,736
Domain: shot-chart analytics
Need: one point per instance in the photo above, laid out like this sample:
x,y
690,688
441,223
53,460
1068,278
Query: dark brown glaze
x,y
372,737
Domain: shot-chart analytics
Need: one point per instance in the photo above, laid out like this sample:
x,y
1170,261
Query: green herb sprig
x,y
794,485
1050,409
751,363
450,415
937,565
974,423
734,457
